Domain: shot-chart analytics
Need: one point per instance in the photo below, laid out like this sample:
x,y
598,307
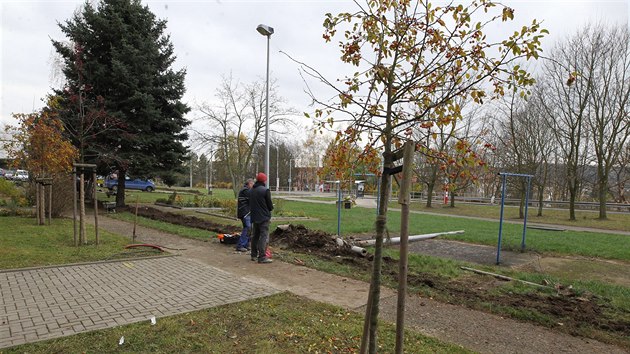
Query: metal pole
x,y
339,209
501,219
317,175
267,114
191,170
529,182
277,168
290,163
211,171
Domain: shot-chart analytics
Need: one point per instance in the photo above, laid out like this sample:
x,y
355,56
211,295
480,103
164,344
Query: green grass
x,y
613,299
151,197
188,232
282,323
550,216
361,221
26,244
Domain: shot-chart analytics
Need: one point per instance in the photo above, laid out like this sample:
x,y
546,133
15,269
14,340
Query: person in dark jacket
x,y
243,213
261,206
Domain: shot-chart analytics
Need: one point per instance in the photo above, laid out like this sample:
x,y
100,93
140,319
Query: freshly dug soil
x,y
300,239
178,219
564,308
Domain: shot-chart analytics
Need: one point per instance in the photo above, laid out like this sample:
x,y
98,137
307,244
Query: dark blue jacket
x,y
242,206
260,203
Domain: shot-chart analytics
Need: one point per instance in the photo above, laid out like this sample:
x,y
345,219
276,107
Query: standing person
x,y
261,206
243,213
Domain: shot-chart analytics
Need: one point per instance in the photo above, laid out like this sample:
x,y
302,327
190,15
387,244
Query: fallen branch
x,y
504,277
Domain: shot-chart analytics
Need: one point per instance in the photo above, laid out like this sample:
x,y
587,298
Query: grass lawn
x,y
150,197
361,221
167,227
282,323
616,221
503,299
25,244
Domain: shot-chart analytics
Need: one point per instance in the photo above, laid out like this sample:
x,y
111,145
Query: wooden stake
x,y
403,200
95,206
83,238
37,204
50,203
135,220
74,206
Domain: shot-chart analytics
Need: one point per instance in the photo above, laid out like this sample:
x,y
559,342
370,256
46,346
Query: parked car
x,y
8,174
21,176
139,184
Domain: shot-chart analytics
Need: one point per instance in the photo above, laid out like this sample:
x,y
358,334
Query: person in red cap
x,y
260,206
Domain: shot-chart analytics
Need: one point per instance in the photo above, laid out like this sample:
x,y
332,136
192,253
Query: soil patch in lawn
x,y
564,308
183,220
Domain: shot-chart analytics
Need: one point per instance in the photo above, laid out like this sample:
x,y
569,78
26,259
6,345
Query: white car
x,y
21,175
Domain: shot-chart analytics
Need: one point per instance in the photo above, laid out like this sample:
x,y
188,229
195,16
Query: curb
x,y
117,260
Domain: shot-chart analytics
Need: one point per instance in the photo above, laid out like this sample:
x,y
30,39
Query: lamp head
x,y
264,30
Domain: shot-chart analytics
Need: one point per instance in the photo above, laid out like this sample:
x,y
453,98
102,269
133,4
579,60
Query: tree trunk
x,y
602,191
572,197
430,187
120,193
452,201
371,313
541,196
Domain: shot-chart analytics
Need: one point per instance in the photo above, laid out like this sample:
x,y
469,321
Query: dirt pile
x,y
189,221
300,239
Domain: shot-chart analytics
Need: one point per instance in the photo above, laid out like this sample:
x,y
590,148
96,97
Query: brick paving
x,y
47,303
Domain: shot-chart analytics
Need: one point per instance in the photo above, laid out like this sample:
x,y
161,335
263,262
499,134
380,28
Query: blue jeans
x,y
243,240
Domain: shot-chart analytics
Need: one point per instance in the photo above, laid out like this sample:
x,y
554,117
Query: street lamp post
x,y
267,32
290,163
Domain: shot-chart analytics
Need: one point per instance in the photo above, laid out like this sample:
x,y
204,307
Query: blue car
x,y
138,184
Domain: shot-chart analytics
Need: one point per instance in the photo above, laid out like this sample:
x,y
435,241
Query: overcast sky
x,y
213,38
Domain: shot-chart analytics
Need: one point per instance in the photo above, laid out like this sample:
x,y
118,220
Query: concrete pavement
x,y
39,304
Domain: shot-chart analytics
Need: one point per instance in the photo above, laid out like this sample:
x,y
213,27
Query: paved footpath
x,y
47,303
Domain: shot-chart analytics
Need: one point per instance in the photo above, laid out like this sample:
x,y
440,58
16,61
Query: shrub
x,y
228,206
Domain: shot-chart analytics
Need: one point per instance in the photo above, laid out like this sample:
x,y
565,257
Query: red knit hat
x,y
261,177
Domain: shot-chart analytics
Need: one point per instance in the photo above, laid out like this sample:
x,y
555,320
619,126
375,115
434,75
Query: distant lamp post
x,y
267,32
290,163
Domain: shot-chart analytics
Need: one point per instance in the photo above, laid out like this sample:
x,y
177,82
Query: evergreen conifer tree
x,y
119,62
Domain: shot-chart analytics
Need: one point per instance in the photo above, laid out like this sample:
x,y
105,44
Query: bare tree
x,y
621,173
565,94
523,141
236,124
608,122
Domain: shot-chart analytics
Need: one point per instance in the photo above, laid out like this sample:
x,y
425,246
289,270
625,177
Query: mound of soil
x,y
190,221
301,239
